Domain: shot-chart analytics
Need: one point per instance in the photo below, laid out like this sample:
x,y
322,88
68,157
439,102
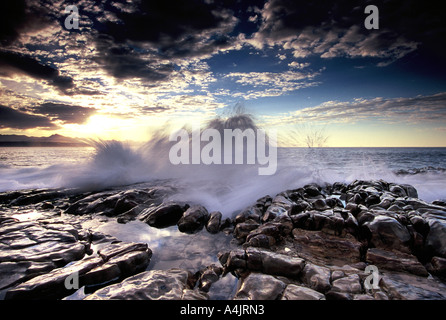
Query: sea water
x,y
219,187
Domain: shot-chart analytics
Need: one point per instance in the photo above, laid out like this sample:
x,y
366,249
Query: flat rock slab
x,y
295,292
259,286
402,286
123,259
326,249
150,285
396,261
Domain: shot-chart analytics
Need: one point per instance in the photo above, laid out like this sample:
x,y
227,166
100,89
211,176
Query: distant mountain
x,y
55,140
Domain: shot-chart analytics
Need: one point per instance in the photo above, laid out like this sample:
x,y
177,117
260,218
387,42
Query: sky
x,y
303,68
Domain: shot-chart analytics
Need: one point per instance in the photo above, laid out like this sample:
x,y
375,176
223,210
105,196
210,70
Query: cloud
x,y
11,118
18,17
146,39
12,62
336,29
269,84
419,109
65,113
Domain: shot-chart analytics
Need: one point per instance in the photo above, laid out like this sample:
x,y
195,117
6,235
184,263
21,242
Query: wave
x,y
423,170
225,188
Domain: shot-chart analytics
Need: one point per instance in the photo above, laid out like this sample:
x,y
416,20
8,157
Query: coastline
x,y
313,242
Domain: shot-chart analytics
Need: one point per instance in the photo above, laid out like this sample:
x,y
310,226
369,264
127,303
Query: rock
x,y
320,205
336,295
193,219
149,285
208,276
349,285
258,286
260,240
311,191
251,213
396,261
242,230
280,206
40,242
115,260
397,190
51,285
435,239
15,272
403,286
213,225
265,261
316,277
235,259
372,199
295,292
273,263
163,215
387,233
438,266
410,190
322,248
337,274
277,229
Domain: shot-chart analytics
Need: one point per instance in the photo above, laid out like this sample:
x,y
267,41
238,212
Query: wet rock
x,y
243,229
36,196
273,263
337,295
320,205
349,285
295,292
32,241
438,266
163,215
372,199
301,205
316,277
337,274
15,272
260,240
436,239
280,206
265,261
258,286
115,260
322,248
396,261
235,259
253,213
213,225
387,233
209,276
149,285
403,286
397,190
193,219
311,191
277,229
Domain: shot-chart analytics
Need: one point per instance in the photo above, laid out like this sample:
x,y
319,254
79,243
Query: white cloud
x,y
419,109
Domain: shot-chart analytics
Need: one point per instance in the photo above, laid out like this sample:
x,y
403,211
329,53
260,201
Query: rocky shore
x,y
311,243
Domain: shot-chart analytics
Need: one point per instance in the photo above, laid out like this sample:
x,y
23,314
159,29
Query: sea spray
x,y
226,188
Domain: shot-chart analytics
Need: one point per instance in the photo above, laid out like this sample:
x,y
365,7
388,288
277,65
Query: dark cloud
x,y
145,39
20,16
11,118
12,62
123,62
336,28
65,113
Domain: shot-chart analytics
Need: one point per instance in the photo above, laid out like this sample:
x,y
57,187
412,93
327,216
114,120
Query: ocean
x,y
219,187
